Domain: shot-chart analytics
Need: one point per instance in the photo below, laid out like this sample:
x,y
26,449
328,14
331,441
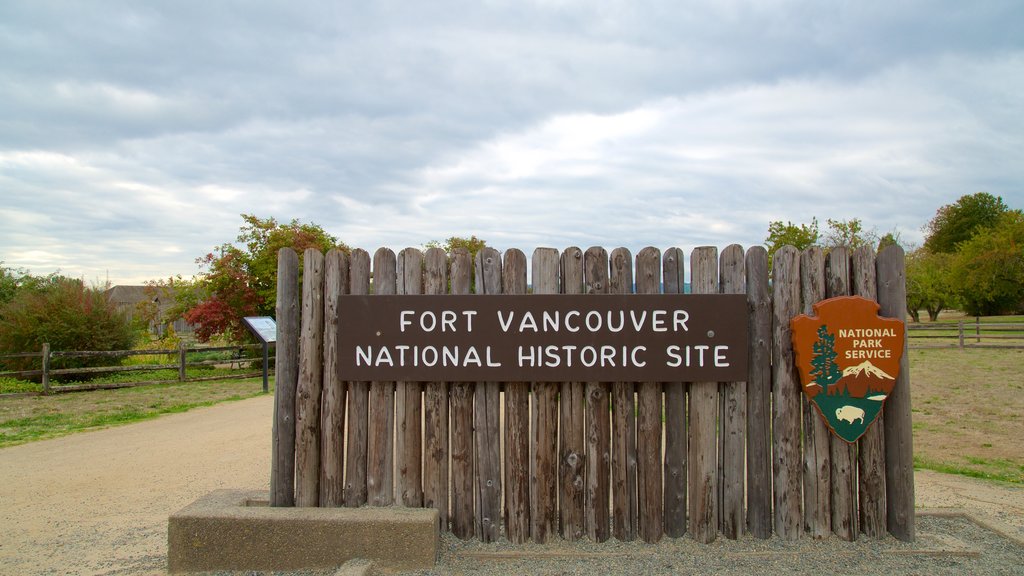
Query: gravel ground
x,y
97,503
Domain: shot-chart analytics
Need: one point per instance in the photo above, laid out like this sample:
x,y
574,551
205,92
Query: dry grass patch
x,y
968,411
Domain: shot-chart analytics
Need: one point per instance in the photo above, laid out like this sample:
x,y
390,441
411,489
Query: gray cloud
x,y
132,135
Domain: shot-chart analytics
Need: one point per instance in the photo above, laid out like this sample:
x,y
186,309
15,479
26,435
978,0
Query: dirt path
x,y
98,502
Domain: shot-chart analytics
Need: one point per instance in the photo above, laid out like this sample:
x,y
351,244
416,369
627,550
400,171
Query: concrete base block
x,y
236,530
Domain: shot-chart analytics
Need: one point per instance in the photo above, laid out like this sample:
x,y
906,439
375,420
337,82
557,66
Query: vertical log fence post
x,y
785,395
46,367
673,277
380,442
597,425
332,416
759,395
844,454
286,368
310,384
817,437
624,482
408,399
871,452
359,400
487,418
733,418
517,423
182,362
572,455
462,420
899,442
650,501
702,458
544,417
435,407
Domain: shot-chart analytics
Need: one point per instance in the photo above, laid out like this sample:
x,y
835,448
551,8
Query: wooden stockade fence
x,y
696,458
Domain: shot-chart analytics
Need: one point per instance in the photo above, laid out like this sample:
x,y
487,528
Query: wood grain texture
x,y
733,416
817,436
572,452
517,423
702,457
624,484
286,368
487,418
461,424
598,419
890,267
544,419
358,399
786,413
673,277
435,406
310,385
651,524
380,446
871,446
332,413
408,400
759,394
844,455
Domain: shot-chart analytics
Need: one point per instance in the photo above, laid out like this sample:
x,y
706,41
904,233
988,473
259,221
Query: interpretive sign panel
x,y
263,327
544,338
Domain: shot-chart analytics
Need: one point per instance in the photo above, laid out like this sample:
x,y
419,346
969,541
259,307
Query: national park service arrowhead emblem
x,y
848,358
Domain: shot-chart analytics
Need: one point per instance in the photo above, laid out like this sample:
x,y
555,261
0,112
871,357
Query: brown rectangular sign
x,y
544,338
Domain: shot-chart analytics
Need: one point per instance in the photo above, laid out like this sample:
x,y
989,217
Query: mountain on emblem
x,y
848,358
866,368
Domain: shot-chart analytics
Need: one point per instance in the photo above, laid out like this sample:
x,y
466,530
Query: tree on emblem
x,y
823,364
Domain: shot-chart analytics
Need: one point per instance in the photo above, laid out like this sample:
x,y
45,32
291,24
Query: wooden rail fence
x,y
969,334
532,461
181,363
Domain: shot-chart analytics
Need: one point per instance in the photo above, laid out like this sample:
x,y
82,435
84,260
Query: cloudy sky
x,y
133,134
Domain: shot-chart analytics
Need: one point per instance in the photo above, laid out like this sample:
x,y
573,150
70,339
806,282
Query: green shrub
x,y
69,316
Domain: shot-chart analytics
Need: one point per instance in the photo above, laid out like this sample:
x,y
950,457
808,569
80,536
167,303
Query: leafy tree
x,y
958,222
241,280
929,283
889,239
801,236
13,281
849,233
471,244
988,269
67,315
823,364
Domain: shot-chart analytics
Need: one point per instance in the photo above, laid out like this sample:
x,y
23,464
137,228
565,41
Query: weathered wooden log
x,y
544,472
461,424
286,367
624,463
843,456
332,413
733,416
785,395
380,445
759,395
408,399
517,423
673,268
358,401
597,425
487,418
702,456
899,446
651,524
871,446
817,436
572,455
435,407
311,381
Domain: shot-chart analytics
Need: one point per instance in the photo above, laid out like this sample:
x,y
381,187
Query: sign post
x,y
265,329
